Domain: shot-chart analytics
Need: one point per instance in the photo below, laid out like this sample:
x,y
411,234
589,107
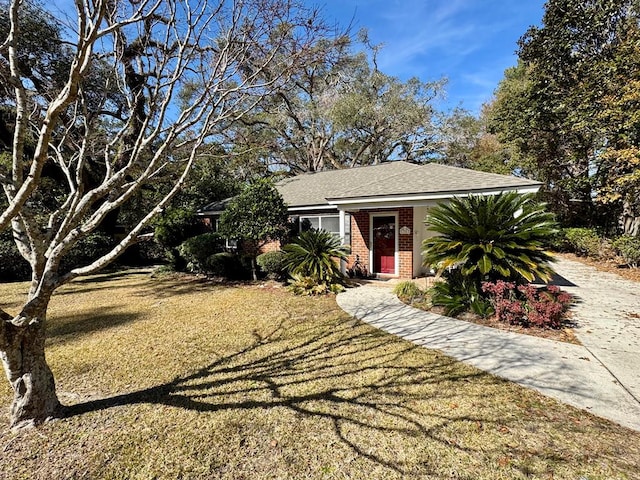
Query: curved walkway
x,y
601,376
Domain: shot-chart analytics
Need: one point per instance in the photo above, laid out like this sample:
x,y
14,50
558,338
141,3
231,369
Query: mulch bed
x,y
565,334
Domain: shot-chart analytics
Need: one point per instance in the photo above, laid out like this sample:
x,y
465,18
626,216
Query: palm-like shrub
x,y
490,238
317,255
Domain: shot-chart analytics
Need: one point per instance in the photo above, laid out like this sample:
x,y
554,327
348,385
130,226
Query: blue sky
x,y
470,42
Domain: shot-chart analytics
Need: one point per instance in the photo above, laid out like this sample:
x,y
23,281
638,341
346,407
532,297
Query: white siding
x,y
420,233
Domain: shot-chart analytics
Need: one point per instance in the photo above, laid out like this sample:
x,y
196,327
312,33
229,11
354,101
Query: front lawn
x,y
180,378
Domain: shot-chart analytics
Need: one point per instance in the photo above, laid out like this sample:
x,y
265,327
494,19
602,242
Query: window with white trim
x,y
347,229
229,243
329,223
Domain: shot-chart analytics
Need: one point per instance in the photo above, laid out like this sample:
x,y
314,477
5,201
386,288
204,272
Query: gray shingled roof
x,y
393,179
216,207
314,188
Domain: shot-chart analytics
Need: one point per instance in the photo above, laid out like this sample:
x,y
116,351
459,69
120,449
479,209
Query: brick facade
x,y
405,243
360,241
270,246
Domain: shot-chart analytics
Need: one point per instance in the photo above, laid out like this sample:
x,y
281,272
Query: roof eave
x,y
381,199
298,208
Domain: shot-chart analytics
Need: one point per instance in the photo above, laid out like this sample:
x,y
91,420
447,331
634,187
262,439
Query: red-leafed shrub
x,y
528,305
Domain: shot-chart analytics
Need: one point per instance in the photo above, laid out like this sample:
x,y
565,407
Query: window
x,y
347,229
309,223
230,244
329,223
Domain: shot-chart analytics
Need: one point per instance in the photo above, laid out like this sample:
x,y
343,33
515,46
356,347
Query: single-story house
x,y
379,210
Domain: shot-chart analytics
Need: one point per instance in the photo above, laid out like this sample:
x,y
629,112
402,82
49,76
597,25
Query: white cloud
x,y
416,33
470,42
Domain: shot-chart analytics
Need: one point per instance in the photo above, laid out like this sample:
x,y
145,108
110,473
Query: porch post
x,y
343,263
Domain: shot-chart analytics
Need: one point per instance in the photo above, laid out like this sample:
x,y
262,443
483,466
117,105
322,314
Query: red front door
x,y
384,245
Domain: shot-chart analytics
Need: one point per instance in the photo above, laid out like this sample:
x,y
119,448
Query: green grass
x,y
179,378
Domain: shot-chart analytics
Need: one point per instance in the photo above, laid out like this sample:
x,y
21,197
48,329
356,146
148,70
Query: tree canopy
x,y
570,109
256,216
340,112
137,91
465,141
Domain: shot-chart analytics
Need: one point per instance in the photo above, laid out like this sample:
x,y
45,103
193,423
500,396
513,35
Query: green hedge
x,y
12,266
628,247
226,265
88,249
583,241
273,264
197,250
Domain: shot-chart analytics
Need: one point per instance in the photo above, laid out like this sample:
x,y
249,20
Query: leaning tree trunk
x,y
23,358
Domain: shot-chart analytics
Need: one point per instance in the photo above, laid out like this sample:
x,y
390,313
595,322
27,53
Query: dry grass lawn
x,y
178,378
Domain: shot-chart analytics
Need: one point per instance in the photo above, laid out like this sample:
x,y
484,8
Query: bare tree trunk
x,y
235,53
254,268
629,221
23,358
631,226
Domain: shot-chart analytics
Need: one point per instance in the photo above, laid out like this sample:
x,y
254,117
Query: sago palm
x,y
491,237
316,254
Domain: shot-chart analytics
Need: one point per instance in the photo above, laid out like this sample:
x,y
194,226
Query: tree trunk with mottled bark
x,y
629,221
23,357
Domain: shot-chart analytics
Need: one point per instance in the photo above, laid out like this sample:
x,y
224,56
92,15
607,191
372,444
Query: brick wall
x,y
405,243
360,225
271,246
360,238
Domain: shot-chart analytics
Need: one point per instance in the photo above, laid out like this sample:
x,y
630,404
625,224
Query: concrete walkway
x,y
602,376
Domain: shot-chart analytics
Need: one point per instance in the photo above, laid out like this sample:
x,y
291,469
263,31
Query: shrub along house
x,y
379,210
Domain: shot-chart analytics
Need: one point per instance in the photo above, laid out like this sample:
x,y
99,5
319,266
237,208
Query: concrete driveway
x,y
602,376
608,320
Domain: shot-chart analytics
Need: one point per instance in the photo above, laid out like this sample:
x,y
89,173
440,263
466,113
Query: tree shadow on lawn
x,y
86,323
185,284
141,282
117,273
100,283
361,380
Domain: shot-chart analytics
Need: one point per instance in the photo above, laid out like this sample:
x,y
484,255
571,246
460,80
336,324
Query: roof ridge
x,y
481,172
389,177
285,180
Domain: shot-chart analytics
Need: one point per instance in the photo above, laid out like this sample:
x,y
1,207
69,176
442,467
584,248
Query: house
x,y
379,210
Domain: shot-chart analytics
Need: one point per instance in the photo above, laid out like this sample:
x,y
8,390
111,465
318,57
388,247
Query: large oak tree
x,y
341,111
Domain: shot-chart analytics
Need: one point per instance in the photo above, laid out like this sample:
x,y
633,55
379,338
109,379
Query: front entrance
x,y
384,244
